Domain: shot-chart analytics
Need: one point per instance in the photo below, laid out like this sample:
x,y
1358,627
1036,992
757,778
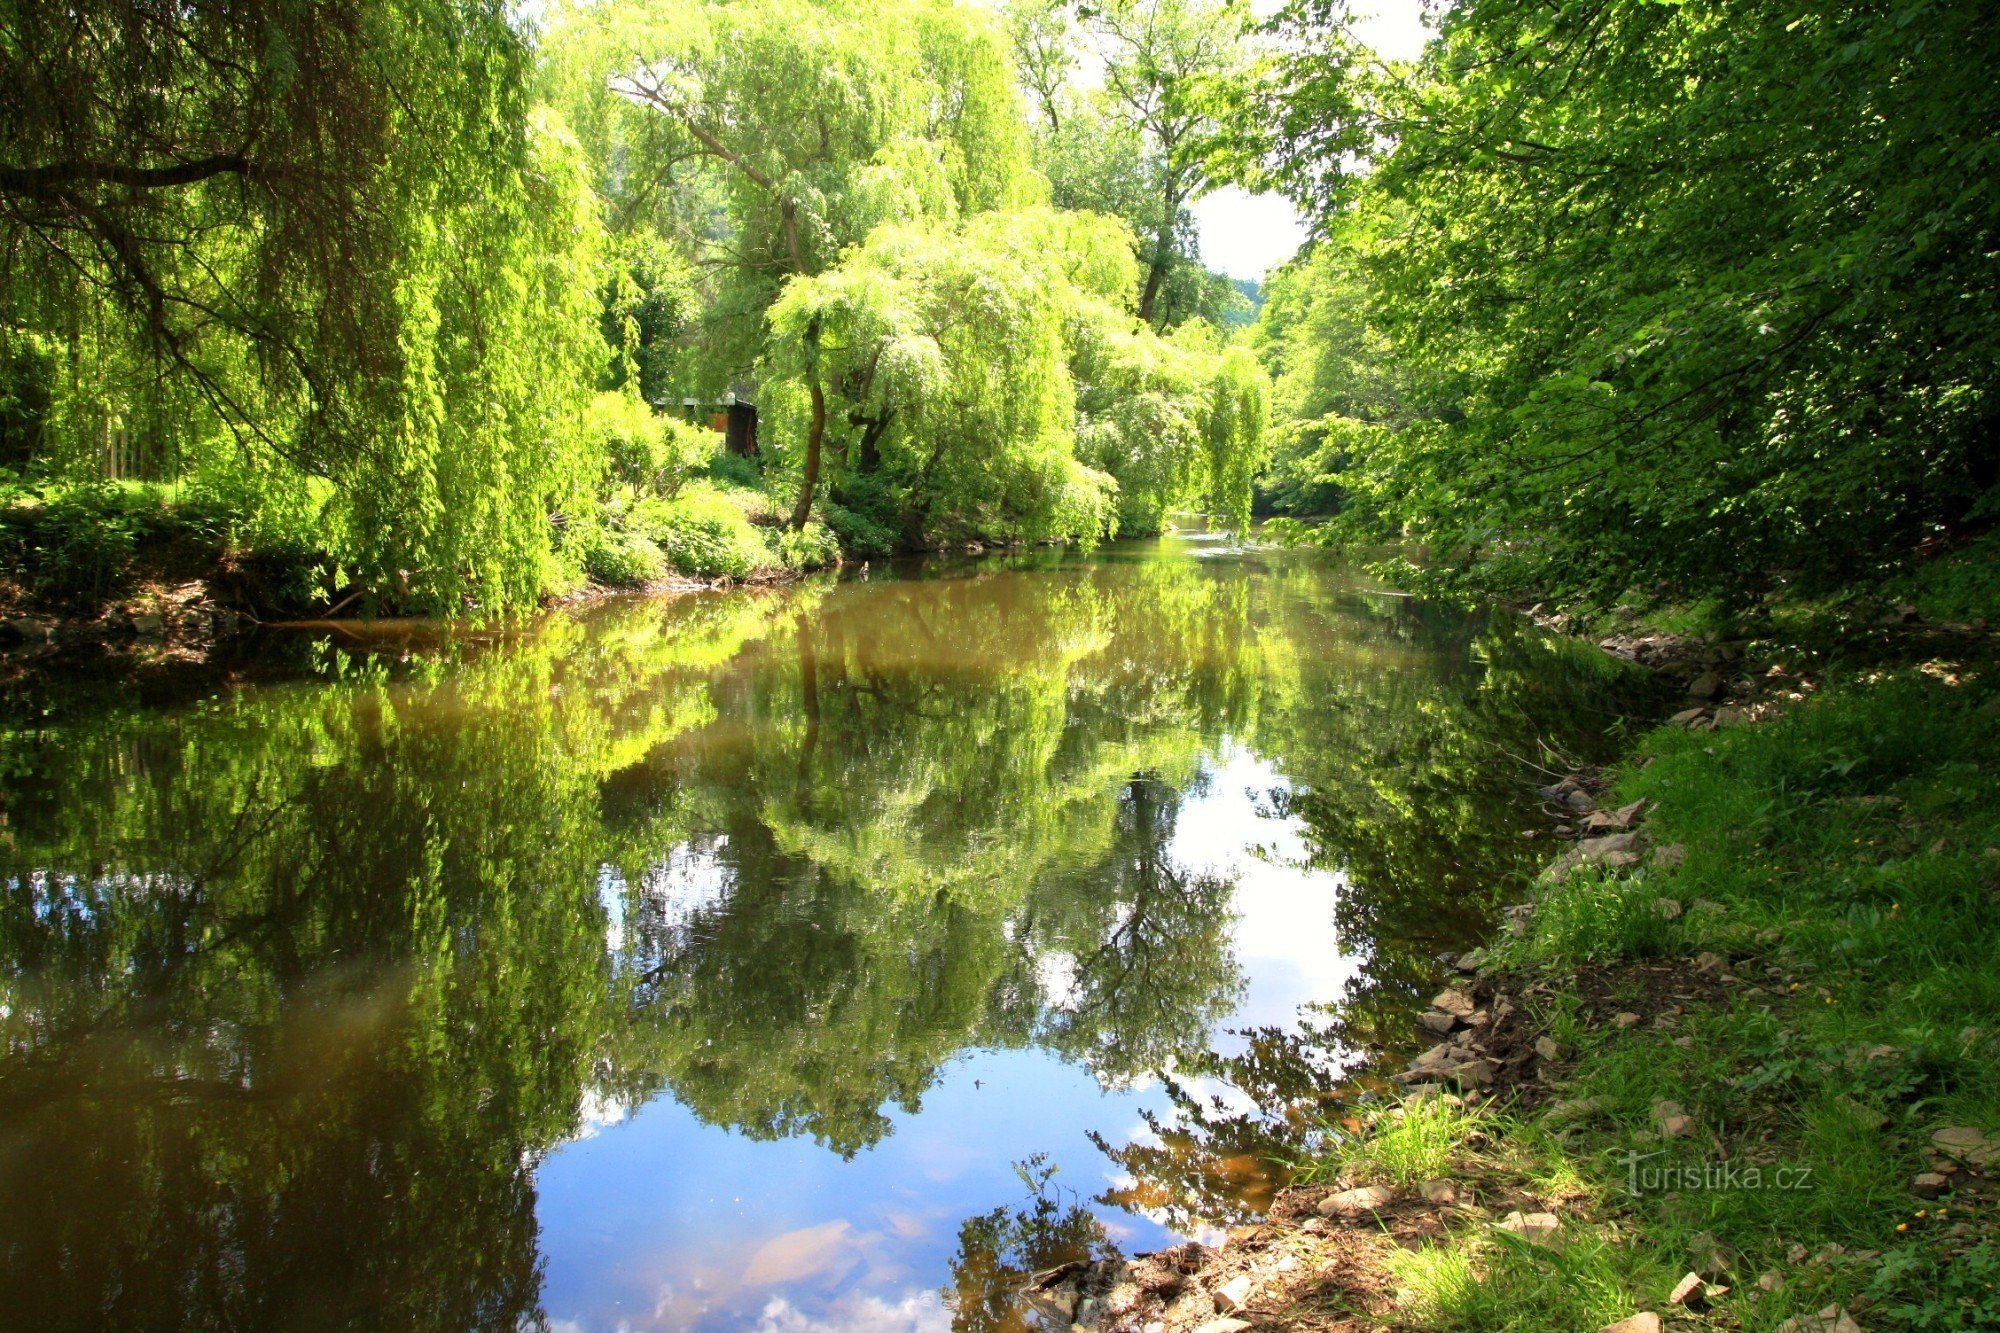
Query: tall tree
x,y
1169,69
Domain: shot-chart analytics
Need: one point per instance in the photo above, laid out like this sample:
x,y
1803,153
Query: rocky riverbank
x,y
1731,1065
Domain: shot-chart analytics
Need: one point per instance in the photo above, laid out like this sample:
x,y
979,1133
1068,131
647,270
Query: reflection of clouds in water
x,y
1283,929
595,1112
919,1311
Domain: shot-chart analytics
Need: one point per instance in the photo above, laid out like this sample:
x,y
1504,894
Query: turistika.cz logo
x,y
1713,1177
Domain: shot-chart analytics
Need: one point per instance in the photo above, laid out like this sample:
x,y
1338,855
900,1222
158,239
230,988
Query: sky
x,y
1246,235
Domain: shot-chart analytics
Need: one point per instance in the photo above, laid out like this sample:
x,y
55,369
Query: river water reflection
x,y
815,957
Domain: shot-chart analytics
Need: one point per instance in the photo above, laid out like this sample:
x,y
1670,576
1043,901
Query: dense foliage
x,y
1643,296
413,293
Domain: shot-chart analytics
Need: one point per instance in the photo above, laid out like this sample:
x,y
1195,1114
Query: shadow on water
x,y
713,960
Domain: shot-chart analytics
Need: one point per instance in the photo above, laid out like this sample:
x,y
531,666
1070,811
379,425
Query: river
x,y
813,957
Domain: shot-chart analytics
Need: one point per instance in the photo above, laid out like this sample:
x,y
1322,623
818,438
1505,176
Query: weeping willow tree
x,y
990,379
788,130
329,256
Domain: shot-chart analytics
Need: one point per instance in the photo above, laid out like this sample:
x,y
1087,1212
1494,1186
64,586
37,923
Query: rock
x,y
1706,905
1624,1020
1578,800
1906,612
1536,1228
148,626
1672,1120
1454,1002
1970,1146
1930,1184
1234,1294
1770,1280
1710,962
1708,685
1667,909
1547,1049
1687,717
1580,1109
1471,1074
1614,821
1354,1203
1672,855
1832,1319
1471,961
30,630
1439,1193
1691,1292
1225,1325
1731,717
1643,1322
1439,1023
1710,1257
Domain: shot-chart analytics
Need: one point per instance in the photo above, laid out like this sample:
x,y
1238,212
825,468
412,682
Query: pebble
x,y
1355,1202
1234,1294
1542,1229
1643,1322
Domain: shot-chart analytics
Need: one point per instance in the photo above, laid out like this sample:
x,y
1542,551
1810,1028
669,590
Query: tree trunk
x,y
1156,272
815,435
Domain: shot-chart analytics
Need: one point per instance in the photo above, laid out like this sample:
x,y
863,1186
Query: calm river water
x,y
818,957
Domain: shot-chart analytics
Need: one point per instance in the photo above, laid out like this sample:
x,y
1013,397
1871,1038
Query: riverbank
x,y
1734,1064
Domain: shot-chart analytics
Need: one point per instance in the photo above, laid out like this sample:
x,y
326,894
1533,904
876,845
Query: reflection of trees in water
x,y
300,981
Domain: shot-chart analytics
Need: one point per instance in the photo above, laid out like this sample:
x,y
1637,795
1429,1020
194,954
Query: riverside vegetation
x,y
1677,322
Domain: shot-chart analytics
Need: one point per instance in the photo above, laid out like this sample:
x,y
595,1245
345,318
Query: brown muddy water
x,y
821,957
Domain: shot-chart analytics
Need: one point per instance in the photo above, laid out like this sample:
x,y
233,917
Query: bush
x,y
811,547
645,450
727,469
619,559
702,531
865,515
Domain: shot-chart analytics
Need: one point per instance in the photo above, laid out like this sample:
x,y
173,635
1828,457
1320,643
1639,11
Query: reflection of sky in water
x,y
653,1219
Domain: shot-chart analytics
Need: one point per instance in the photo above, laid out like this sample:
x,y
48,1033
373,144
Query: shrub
x,y
619,559
811,547
702,531
645,450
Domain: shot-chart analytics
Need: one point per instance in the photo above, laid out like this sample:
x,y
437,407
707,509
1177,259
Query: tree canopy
x,y
1694,293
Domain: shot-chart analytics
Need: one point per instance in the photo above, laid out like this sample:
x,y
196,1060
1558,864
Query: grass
x,y
1845,857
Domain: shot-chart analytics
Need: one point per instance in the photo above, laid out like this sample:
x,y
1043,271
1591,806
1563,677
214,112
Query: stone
x,y
1832,1319
148,626
1234,1294
1708,685
1437,1022
1710,962
1547,1049
1667,909
1355,1203
1731,717
1471,1074
1930,1184
1614,821
1691,1292
1439,1193
1472,960
1672,1120
1227,1324
1627,1020
1643,1322
1706,905
1542,1229
1687,717
1770,1280
1968,1145
1454,1002
1671,856
1582,1108
30,630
